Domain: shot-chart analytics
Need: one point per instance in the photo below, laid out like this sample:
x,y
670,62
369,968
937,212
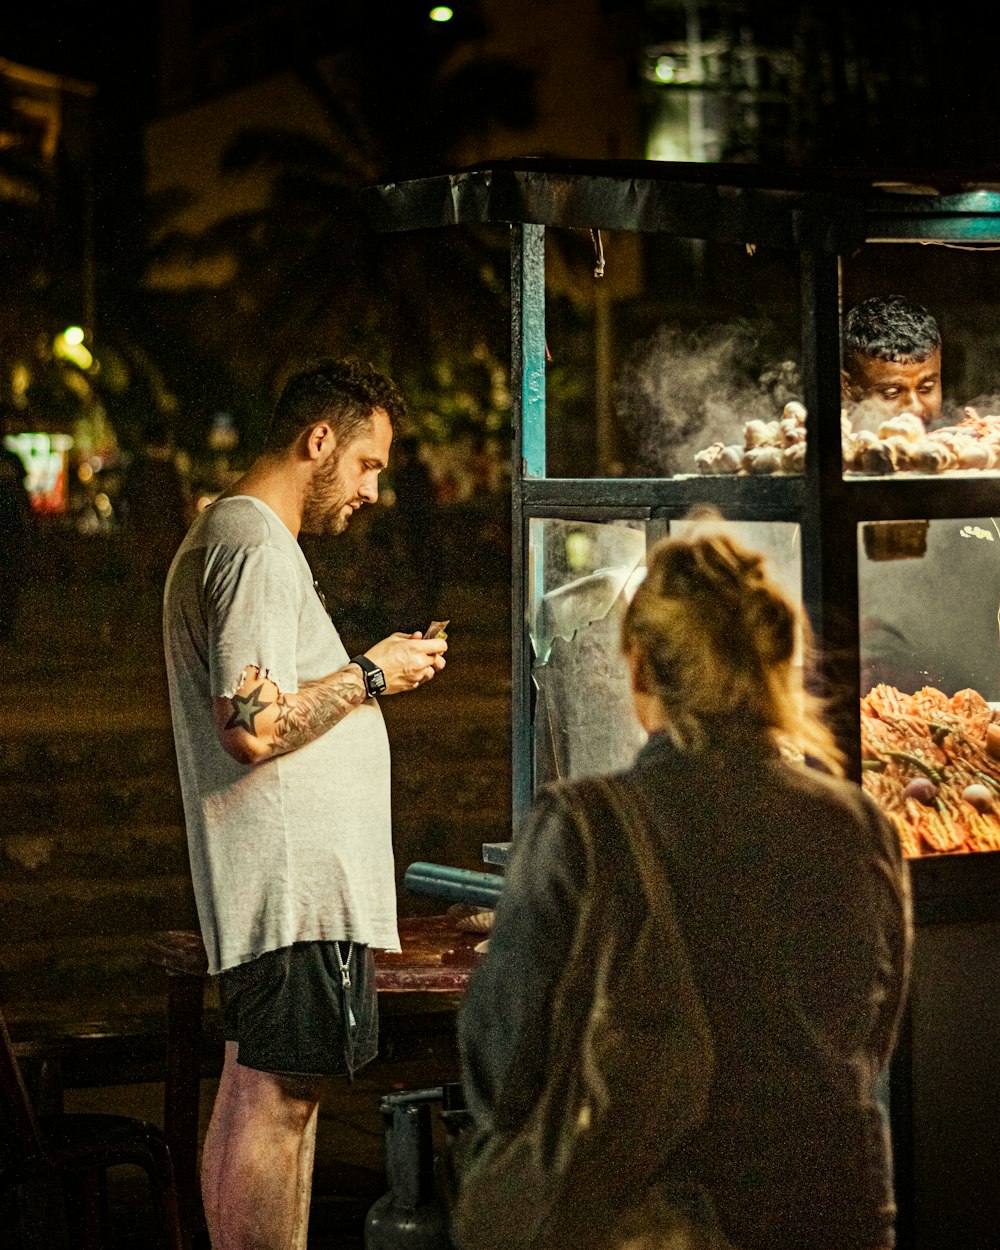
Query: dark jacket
x,y
793,900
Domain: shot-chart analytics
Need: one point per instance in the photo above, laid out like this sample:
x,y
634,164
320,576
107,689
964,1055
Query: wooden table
x,y
437,957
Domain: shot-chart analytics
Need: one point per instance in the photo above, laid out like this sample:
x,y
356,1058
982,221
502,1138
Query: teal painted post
x,y
528,460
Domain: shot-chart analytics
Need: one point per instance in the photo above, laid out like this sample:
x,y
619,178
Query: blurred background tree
x,y
26,212
308,275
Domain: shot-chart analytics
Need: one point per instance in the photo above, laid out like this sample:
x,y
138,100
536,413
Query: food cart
x,y
843,532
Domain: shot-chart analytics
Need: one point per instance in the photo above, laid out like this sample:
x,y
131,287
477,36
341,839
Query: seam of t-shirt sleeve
x,y
265,672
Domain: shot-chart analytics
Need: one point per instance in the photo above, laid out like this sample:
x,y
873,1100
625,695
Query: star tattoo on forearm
x,y
246,709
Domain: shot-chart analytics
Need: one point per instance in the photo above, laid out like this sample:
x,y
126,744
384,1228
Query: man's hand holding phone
x,y
409,660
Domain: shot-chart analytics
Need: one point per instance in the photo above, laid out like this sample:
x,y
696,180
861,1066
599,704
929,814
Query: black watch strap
x,y
374,677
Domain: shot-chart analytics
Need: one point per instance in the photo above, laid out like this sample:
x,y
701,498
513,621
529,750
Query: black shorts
x,y
293,1012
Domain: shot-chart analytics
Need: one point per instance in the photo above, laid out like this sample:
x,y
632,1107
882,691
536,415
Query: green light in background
x,y
69,345
664,68
441,13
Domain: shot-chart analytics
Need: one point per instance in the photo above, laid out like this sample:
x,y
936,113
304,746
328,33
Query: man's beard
x,y
324,505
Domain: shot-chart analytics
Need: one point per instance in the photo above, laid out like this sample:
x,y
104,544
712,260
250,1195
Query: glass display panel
x,y
679,361
582,576
929,593
928,411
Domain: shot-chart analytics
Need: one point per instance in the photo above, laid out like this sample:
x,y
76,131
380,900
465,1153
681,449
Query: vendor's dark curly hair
x,y
890,327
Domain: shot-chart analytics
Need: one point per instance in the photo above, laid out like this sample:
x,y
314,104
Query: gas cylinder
x,y
410,1216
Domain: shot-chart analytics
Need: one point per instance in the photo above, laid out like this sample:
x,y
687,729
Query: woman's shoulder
x,y
837,803
817,784
596,799
579,818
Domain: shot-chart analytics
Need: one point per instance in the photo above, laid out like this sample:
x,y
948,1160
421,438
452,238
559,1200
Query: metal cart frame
x,y
821,217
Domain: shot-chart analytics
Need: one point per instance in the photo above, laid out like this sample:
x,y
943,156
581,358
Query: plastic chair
x,y
76,1150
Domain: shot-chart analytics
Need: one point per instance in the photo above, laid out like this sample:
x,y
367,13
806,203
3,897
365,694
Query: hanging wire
x,y
963,247
958,247
598,253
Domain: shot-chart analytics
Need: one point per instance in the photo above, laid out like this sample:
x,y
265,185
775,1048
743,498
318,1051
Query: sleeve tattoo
x,y
298,718
318,706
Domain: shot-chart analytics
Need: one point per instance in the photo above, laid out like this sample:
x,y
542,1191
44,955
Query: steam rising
x,y
681,390
985,405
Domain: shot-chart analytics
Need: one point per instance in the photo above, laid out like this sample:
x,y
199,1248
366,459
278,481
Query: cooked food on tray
x,y
901,444
932,763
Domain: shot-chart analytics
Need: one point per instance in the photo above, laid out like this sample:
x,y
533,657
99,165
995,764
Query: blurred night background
x,y
178,196
180,228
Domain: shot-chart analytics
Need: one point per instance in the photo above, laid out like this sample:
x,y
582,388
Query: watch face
x,y
374,677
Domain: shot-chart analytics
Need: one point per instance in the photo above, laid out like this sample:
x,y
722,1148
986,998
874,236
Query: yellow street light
x,y
69,345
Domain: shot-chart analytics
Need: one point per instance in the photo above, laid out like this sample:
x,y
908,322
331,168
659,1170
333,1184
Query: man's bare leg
x,y
213,1150
259,1141
307,1157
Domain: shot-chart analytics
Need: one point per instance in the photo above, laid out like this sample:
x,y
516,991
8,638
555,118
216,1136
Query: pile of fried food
x,y
768,446
903,444
900,444
932,764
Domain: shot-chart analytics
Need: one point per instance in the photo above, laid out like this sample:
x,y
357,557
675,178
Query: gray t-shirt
x,y
298,848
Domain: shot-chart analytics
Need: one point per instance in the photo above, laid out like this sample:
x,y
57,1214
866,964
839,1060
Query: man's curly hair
x,y
344,392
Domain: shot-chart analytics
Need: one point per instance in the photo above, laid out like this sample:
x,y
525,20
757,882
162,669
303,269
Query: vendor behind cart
x,y
891,361
930,621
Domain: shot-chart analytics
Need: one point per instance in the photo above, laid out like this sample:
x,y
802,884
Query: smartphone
x,y
436,629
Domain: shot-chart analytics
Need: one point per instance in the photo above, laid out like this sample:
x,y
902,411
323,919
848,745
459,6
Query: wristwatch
x,y
374,677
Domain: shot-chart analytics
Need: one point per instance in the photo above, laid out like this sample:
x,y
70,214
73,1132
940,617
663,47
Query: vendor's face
x,y
886,389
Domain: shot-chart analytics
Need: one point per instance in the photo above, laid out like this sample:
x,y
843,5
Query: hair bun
x,y
712,636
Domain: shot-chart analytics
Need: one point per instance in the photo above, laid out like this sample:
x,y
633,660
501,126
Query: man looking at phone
x,y
284,767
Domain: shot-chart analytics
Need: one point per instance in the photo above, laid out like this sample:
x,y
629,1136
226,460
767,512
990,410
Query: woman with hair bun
x,y
697,966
